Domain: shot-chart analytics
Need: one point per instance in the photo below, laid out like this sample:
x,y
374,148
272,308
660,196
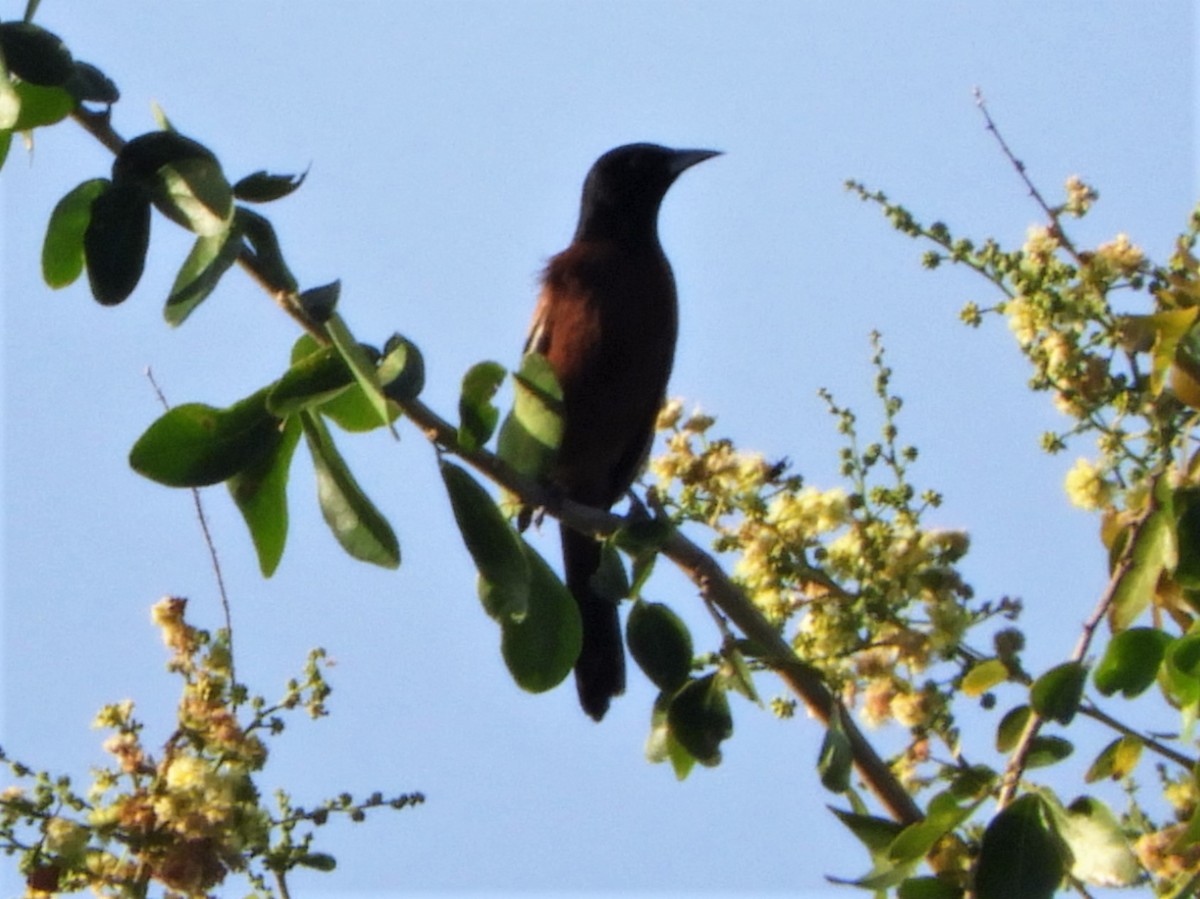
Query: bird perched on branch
x,y
606,321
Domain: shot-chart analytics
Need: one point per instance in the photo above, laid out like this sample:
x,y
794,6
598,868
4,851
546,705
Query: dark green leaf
x,y
836,760
610,580
402,369
358,526
972,782
115,242
1183,669
195,445
1012,725
1046,751
928,888
1187,526
876,834
477,414
41,106
141,159
260,492
262,187
318,303
497,550
532,431
62,249
318,861
35,55
88,84
661,745
1057,693
660,643
5,139
211,256
1018,855
1131,661
700,719
645,535
260,234
1116,761
541,646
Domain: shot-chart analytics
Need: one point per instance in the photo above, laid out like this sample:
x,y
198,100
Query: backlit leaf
x,y
211,256
62,249
477,414
260,492
1131,661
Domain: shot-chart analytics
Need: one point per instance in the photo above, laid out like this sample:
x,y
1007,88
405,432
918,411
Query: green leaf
x,y
262,187
318,303
876,834
1183,669
1045,751
402,369
193,192
5,136
35,55
260,234
318,861
532,430
10,107
115,242
1116,761
660,643
928,888
311,381
41,106
358,526
983,676
1057,693
1154,552
1100,853
62,249
260,492
1169,328
1131,661
498,553
1011,726
1019,856
661,745
362,367
836,760
700,719
541,646
477,414
211,256
195,445
943,815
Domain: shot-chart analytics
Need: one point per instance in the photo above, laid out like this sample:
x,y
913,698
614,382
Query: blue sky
x,y
447,143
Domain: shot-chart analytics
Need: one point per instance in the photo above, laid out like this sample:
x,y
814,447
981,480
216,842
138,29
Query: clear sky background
x,y
447,144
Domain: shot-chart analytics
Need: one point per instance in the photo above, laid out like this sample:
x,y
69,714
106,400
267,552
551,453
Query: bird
x,y
606,320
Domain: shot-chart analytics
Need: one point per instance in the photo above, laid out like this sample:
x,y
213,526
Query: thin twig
x,y
208,541
1017,164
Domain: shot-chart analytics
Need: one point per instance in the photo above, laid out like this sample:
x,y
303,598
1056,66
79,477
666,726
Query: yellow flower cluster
x,y
1086,487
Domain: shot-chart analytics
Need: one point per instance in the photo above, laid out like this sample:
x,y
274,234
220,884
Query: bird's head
x,y
626,186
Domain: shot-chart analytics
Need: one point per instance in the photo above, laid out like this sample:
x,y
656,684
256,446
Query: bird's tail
x,y
600,669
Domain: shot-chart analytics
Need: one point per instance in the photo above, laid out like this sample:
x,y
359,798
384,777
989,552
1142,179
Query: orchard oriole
x,y
606,321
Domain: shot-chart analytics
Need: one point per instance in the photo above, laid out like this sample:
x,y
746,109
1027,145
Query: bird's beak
x,y
685,159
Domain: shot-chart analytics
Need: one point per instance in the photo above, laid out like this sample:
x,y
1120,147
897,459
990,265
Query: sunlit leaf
x,y
477,414
195,445
193,193
541,646
983,676
532,431
62,249
496,549
1117,760
361,366
260,492
1154,552
211,256
1100,853
355,521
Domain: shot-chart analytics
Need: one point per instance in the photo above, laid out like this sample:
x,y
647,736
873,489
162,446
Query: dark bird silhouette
x,y
606,320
